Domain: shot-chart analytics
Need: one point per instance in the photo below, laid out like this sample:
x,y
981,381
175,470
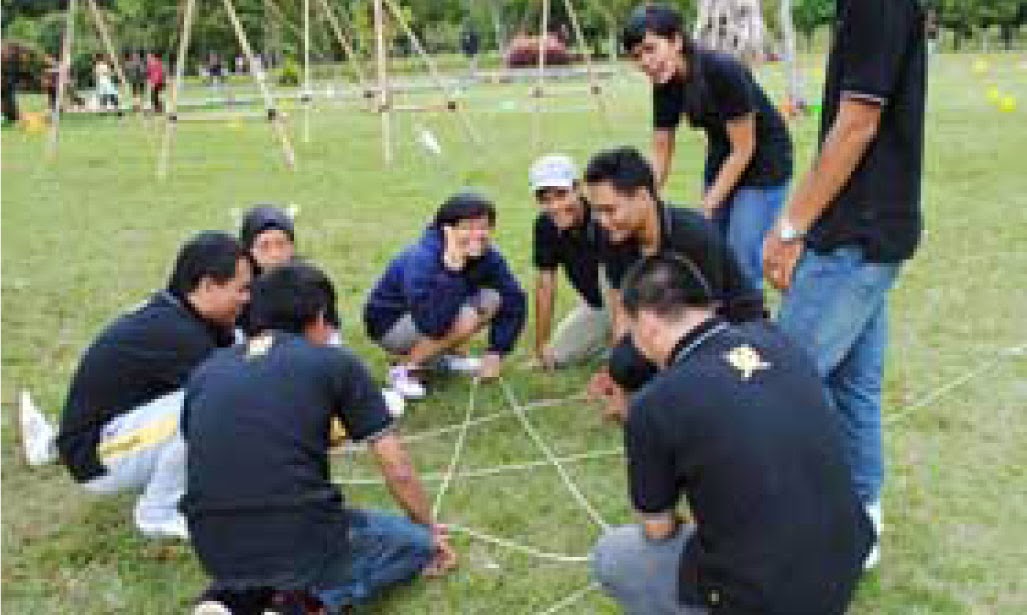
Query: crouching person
x,y
264,516
119,429
441,291
736,421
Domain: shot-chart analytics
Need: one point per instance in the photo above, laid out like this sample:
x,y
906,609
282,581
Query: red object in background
x,y
523,52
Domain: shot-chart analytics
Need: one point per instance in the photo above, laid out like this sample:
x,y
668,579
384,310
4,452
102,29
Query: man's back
x,y
741,424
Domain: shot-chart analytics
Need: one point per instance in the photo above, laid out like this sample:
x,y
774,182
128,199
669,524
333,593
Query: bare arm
x,y
618,319
663,155
401,478
545,297
661,526
741,132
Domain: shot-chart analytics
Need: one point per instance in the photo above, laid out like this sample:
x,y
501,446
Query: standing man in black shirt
x,y
737,422
636,223
749,151
262,510
120,426
855,218
567,236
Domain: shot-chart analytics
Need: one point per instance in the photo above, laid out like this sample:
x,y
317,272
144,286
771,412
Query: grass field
x,y
94,233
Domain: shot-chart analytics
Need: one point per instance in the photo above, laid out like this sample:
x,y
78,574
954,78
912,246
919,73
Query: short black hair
x,y
290,297
665,284
464,206
662,20
624,167
264,217
208,254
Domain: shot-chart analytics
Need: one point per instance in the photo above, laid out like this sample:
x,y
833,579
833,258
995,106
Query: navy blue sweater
x,y
417,282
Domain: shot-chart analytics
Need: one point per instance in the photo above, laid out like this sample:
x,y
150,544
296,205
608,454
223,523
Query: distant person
x,y
155,80
120,426
263,513
749,151
11,74
838,246
470,45
440,291
566,236
240,65
135,72
215,71
737,425
103,80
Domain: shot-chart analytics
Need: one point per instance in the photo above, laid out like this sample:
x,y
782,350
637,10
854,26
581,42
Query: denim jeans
x,y
642,574
386,549
744,221
837,308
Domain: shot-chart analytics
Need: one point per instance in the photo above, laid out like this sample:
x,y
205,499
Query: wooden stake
x,y
63,73
383,81
260,76
307,94
170,118
543,35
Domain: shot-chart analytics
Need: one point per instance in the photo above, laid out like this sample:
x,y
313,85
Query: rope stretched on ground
x,y
571,599
513,546
457,450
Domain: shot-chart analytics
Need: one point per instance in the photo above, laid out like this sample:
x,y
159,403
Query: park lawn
x,y
94,233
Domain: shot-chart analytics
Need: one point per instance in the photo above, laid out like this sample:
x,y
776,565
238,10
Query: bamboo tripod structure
x,y
64,66
383,89
256,69
538,92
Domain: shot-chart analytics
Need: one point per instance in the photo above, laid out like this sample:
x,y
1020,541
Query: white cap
x,y
553,171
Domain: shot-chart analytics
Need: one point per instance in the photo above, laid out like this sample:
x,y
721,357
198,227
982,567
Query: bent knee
x,y
613,555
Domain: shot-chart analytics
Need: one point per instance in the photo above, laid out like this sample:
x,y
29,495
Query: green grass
x,y
94,233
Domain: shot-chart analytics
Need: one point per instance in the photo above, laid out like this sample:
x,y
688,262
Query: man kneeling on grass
x,y
737,420
439,292
266,520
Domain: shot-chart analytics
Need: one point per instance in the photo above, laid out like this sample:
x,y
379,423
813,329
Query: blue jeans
x,y
744,220
642,574
837,308
385,550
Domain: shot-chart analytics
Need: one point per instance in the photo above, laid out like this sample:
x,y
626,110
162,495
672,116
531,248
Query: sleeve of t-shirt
x,y
667,106
358,400
651,476
872,45
544,252
731,86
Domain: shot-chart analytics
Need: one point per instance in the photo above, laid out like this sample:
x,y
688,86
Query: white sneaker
x,y
874,556
211,607
459,364
175,528
404,383
38,436
394,402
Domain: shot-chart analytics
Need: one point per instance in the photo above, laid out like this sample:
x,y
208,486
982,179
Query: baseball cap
x,y
553,171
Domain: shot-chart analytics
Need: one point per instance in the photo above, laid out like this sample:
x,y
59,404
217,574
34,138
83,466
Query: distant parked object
x,y
523,52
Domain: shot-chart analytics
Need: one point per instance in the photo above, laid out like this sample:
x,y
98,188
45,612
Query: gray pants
x,y
404,334
640,574
581,335
143,450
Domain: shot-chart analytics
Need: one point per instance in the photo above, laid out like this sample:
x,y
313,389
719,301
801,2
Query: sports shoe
x,y
874,556
211,607
404,383
38,436
460,364
394,402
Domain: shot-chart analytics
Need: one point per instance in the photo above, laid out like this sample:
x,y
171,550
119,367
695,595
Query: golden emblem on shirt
x,y
746,360
259,346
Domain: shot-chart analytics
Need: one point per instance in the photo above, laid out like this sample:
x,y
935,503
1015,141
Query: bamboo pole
x,y
63,73
347,45
307,95
383,81
108,43
590,71
542,36
170,118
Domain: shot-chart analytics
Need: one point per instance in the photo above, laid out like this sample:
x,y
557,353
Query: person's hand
x,y
491,366
444,558
543,360
455,255
602,388
779,260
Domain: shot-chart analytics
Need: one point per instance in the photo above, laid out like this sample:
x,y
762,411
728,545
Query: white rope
x,y
491,471
513,546
533,434
457,450
955,383
571,599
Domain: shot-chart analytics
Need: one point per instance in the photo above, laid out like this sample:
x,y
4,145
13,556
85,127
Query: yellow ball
x,y
993,95
979,67
1007,104
34,123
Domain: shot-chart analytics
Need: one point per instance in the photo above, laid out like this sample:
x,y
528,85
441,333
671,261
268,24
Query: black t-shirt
x,y
740,425
576,249
718,89
686,232
141,356
878,55
261,508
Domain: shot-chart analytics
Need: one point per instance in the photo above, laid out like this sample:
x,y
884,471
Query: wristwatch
x,y
788,233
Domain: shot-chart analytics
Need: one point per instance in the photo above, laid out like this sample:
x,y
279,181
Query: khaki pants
x,y
580,336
